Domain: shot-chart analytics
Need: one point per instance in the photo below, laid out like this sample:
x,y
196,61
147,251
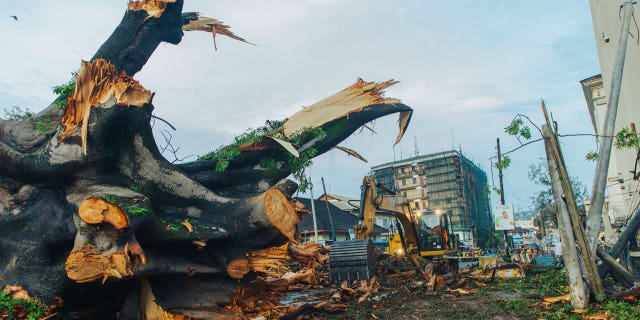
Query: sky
x,y
465,67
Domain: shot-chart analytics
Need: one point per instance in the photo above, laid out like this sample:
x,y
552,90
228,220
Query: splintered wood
x,y
85,266
98,82
259,297
154,8
270,261
353,99
16,292
352,153
150,309
211,25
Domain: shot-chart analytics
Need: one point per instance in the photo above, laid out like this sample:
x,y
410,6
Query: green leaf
x,y
513,128
506,161
626,139
591,156
518,129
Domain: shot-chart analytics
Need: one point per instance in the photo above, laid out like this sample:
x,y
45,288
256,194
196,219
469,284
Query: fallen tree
x,y
92,214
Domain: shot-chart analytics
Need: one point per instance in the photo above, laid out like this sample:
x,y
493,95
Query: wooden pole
x,y
588,255
619,271
500,171
577,287
499,165
606,141
625,236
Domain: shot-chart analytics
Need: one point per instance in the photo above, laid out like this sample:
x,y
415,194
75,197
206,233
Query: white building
x,y
622,186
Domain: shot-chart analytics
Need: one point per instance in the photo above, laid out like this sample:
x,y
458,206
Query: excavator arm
x,y
396,205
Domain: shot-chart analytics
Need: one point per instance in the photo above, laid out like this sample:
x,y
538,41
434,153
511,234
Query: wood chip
x,y
187,225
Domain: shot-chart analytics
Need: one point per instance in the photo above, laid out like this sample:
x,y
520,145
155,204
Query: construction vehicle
x,y
417,234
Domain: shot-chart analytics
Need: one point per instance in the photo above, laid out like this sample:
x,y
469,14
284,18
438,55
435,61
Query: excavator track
x,y
351,260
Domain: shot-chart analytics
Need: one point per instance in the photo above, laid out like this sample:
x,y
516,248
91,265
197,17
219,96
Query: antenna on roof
x,y
415,146
453,142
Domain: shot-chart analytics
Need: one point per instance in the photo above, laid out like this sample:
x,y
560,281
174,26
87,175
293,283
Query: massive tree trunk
x,y
89,207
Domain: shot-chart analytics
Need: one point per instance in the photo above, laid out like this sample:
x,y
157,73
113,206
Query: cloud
x,y
465,69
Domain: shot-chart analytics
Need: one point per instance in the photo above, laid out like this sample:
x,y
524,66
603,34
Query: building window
x,y
449,201
404,193
404,182
402,170
415,180
417,205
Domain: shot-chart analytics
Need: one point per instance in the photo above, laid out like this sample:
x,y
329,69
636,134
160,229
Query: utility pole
x,y
604,147
313,212
326,202
499,165
577,287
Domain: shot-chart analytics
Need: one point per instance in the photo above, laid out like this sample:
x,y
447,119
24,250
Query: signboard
x,y
504,217
517,239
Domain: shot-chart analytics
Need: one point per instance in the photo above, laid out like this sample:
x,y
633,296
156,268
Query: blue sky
x,y
466,67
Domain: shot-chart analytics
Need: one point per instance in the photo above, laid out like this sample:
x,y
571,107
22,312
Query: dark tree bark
x,y
88,226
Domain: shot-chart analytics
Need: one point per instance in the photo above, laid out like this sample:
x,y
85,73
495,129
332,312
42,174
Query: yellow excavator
x,y
417,233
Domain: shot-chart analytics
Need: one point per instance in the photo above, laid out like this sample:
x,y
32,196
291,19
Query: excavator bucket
x,y
351,260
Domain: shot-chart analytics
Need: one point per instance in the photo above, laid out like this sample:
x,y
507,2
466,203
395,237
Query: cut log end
x,y
237,269
97,210
281,213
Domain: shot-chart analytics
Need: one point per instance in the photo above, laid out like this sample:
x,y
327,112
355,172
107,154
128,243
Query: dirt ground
x,y
396,300
407,298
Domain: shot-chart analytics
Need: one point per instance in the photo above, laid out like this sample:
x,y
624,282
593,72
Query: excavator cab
x,y
435,236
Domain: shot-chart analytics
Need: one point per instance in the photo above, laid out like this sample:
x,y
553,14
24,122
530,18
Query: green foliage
x,y
518,129
543,281
137,211
18,114
136,188
621,309
65,90
297,166
591,156
224,154
268,163
626,139
45,125
13,308
506,161
111,199
24,229
173,227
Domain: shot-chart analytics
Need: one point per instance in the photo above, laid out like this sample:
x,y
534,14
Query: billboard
x,y
504,217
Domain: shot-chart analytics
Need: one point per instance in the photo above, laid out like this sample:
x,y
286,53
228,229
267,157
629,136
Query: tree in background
x,y
543,202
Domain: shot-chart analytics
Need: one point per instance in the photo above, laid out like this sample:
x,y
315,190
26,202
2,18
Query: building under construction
x,y
445,181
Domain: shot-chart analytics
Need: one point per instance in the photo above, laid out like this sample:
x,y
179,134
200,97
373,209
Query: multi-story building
x,y
445,181
624,169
